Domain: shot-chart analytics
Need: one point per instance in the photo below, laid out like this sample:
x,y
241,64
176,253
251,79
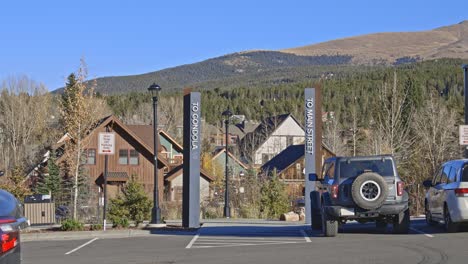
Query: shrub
x,y
71,225
133,205
94,227
274,201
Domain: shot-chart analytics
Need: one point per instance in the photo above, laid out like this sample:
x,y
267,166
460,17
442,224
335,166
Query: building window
x,y
90,156
128,157
133,157
123,156
298,171
290,140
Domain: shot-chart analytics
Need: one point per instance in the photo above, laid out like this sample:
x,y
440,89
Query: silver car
x,y
447,195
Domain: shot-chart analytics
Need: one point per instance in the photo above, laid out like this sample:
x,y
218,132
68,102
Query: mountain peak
x,y
388,48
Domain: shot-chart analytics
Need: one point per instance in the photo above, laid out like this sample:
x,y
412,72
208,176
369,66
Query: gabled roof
x,y
233,130
180,169
145,132
287,158
263,131
223,150
121,128
284,159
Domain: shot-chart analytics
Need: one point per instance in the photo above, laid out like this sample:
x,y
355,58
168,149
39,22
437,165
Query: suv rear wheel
x,y
316,221
329,225
401,223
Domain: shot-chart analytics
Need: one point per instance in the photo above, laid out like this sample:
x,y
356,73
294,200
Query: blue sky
x,y
46,39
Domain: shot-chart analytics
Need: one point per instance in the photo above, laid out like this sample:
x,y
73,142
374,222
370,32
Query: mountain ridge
x,y
310,62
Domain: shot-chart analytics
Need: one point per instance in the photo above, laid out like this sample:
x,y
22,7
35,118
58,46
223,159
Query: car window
x,y
324,169
464,175
452,177
353,168
436,179
331,171
445,174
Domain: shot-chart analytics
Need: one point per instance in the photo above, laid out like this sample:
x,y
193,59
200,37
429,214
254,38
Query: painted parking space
x,y
216,236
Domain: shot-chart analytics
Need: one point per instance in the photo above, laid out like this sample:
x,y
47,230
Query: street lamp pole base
x,y
155,225
227,212
155,216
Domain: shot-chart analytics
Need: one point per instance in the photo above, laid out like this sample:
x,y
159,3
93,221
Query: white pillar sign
x,y
106,143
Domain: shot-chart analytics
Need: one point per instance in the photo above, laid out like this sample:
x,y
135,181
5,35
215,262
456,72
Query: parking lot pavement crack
x,y
428,255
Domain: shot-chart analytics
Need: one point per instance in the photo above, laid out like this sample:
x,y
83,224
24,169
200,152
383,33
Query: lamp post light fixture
x,y
227,210
154,89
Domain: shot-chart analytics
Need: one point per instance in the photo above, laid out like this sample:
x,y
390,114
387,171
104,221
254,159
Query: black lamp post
x,y
154,89
227,210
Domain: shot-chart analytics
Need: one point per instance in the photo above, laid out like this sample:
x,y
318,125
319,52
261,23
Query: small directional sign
x,y
464,135
106,143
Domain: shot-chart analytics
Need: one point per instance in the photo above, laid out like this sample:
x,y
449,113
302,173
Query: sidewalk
x,y
76,235
40,233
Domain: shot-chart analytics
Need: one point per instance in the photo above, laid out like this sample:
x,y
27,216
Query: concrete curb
x,y
76,235
241,222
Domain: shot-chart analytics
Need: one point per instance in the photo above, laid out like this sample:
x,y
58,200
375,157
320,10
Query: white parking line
x,y
245,244
421,232
193,240
307,238
85,244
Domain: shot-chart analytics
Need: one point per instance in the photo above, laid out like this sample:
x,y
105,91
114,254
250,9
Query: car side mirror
x,y
427,183
313,177
1,173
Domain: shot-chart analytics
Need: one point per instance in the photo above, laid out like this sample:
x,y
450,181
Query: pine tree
x,y
51,182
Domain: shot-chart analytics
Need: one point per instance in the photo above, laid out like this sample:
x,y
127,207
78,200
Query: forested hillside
x,y
245,68
411,111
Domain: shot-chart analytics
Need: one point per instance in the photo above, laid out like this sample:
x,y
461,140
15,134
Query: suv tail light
x,y
462,192
334,191
400,186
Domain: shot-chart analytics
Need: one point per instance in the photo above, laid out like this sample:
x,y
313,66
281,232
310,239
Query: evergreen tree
x,y
274,201
51,182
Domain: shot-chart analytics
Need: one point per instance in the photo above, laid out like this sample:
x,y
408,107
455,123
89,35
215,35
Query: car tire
x,y
316,221
428,215
449,225
401,223
329,225
369,190
381,226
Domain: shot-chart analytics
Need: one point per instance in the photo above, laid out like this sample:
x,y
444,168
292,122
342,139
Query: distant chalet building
x,y
236,132
235,166
270,137
289,167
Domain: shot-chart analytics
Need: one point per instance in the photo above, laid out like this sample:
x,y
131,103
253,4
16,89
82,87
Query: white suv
x,y
447,195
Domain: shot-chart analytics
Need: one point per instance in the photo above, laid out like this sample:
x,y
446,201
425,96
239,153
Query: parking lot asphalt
x,y
256,243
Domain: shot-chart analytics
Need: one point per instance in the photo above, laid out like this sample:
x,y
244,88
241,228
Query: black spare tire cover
x,y
369,190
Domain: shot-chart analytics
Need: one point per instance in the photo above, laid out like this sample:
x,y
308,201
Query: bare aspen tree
x,y
436,136
80,112
333,136
392,129
25,106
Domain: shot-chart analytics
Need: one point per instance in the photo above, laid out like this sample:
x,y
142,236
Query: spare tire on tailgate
x,y
369,190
